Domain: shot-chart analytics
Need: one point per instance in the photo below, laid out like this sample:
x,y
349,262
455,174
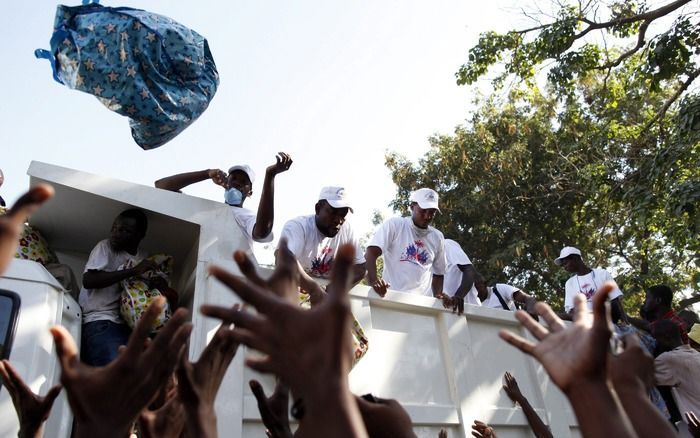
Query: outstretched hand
x,y
482,430
380,286
284,162
12,222
296,340
32,409
573,354
107,400
274,410
511,388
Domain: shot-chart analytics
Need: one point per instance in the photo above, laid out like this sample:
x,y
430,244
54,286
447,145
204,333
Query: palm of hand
x,y
570,354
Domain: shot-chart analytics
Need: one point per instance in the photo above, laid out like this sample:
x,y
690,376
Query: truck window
x,y
9,311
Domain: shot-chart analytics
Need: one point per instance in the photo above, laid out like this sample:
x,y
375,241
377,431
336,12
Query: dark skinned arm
x,y
536,424
436,285
266,208
95,279
467,280
529,301
358,273
616,305
639,323
175,183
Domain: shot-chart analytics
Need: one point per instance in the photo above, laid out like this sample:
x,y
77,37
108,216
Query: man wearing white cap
x,y
238,185
414,252
315,239
586,281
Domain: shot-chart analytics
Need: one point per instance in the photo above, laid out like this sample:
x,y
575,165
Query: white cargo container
x,y
445,369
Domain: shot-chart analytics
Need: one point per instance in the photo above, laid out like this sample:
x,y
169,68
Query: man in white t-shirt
x,y
502,296
103,328
586,281
314,239
414,252
238,185
459,278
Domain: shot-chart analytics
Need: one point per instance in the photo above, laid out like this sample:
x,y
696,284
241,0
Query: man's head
x,y
570,259
690,318
658,300
128,229
331,209
480,286
667,334
241,177
424,206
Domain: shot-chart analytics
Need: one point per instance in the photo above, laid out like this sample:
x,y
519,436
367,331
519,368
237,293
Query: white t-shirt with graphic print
x,y
411,254
315,251
454,257
587,285
246,219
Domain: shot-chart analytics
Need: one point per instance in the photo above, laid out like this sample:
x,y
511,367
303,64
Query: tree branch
x,y
632,51
662,112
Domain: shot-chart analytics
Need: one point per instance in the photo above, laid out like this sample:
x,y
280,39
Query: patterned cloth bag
x,y
147,67
360,343
137,295
32,245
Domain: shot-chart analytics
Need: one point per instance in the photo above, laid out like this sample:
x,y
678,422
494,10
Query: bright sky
x,y
334,84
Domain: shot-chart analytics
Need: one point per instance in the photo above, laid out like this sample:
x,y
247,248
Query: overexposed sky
x,y
334,84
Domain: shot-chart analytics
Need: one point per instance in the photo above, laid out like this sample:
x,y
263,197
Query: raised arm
x,y
266,207
536,424
175,183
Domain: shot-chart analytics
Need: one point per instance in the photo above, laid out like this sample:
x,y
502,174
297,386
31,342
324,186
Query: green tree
x,y
531,172
584,37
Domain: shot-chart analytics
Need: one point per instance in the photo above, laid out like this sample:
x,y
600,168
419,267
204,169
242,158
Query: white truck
x,y
446,370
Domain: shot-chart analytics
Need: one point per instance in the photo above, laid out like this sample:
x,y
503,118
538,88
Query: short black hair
x,y
668,329
663,293
137,215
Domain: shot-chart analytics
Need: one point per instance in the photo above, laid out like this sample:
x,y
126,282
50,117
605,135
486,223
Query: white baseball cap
x,y
426,198
566,252
335,196
245,168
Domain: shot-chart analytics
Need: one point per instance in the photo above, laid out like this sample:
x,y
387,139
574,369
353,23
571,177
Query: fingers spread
x,y
245,264
531,325
517,341
249,292
554,323
240,318
145,325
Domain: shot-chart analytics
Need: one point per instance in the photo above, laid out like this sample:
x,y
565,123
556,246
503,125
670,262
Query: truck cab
x,y
446,370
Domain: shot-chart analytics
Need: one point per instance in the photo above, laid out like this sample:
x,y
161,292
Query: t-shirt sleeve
x,y
439,263
99,257
605,275
664,372
294,233
247,220
506,291
383,236
454,253
472,297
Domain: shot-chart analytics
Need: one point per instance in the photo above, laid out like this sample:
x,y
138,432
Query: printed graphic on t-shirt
x,y
588,290
321,265
416,253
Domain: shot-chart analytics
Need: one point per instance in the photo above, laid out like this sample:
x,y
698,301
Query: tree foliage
x,y
530,173
585,37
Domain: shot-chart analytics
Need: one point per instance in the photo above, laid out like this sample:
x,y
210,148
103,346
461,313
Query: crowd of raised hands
x,y
153,388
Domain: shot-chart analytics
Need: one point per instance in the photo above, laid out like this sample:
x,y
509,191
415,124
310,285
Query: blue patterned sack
x,y
144,66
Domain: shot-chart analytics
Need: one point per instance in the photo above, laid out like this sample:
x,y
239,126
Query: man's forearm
x,y
536,424
645,417
264,221
358,273
436,284
639,323
467,281
597,411
175,183
371,264
100,279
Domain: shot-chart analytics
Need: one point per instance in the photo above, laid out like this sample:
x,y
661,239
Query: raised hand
x,y
569,354
11,223
283,164
107,400
482,430
219,177
693,424
295,341
168,420
274,410
384,418
634,367
32,409
511,388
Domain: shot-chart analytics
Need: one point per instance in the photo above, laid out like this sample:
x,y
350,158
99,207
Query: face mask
x,y
233,196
